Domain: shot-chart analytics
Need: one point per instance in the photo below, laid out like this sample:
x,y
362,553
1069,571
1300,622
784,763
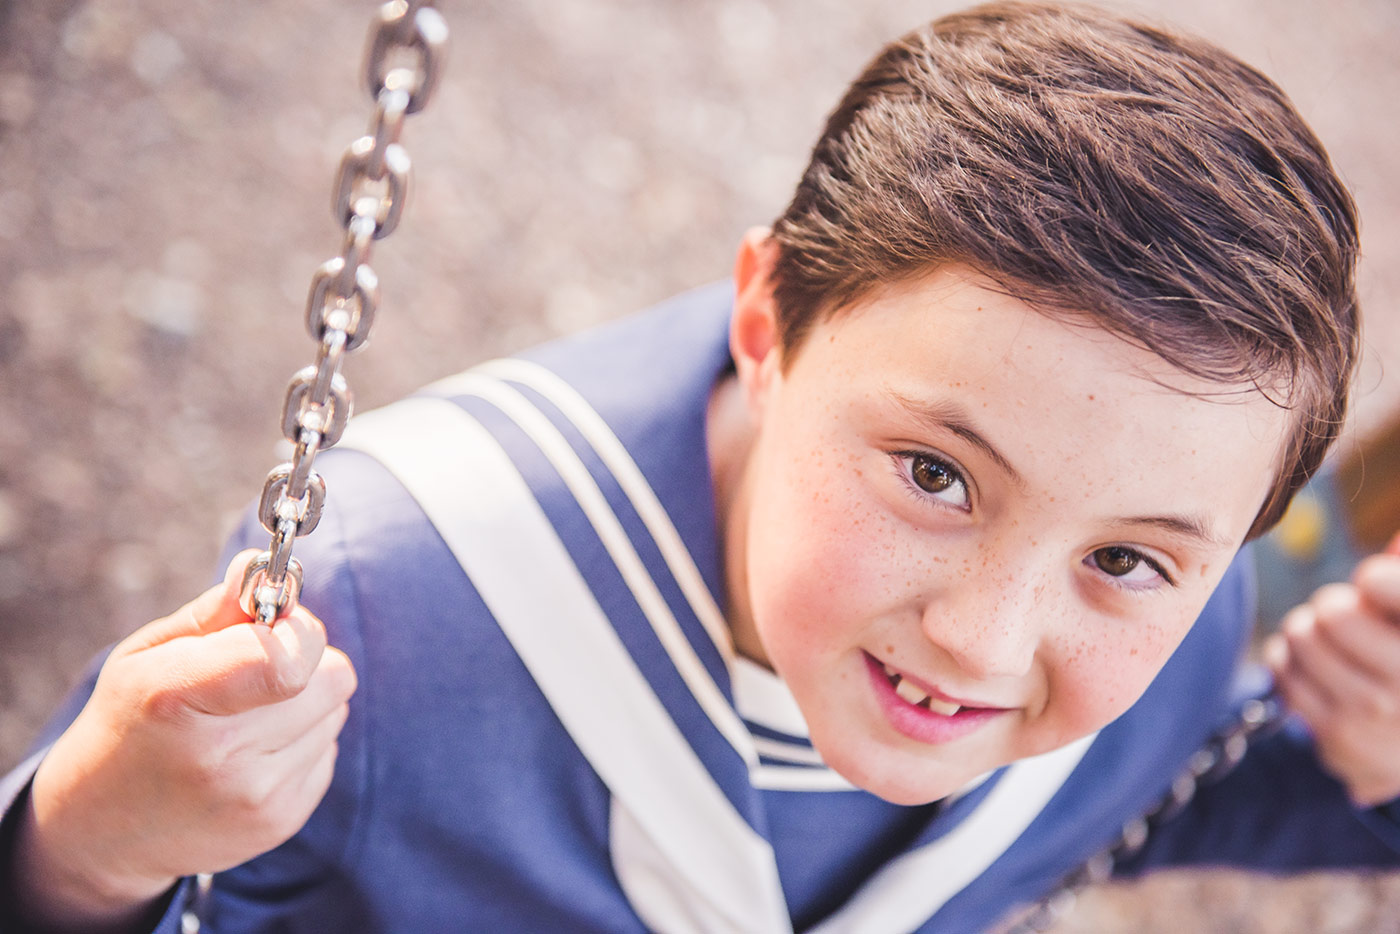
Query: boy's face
x,y
1005,513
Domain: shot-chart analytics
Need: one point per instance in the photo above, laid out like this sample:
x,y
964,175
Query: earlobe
x,y
753,330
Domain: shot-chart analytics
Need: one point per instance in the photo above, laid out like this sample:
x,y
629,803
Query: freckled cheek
x,y
812,575
1098,679
819,563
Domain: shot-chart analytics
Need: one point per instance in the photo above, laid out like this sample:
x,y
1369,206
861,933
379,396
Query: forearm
x,y
45,891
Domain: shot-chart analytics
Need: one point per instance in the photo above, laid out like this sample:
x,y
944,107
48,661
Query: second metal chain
x,y
403,65
1258,717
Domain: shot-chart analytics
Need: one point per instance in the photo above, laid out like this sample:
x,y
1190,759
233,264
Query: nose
x,y
990,627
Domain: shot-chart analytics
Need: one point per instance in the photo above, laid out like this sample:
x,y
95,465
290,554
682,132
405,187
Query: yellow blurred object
x,y
1300,532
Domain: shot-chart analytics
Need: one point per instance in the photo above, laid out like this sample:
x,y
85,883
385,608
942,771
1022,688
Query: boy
x,y
1060,315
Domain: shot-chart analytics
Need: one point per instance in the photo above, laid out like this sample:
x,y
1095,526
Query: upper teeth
x,y
916,696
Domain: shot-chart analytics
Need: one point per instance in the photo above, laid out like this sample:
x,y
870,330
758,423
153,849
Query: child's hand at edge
x,y
1337,664
207,741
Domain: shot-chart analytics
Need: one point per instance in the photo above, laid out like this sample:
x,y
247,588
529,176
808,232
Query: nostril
x,y
987,646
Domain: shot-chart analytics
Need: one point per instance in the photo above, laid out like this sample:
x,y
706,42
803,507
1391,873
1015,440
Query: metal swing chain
x,y
403,65
1258,718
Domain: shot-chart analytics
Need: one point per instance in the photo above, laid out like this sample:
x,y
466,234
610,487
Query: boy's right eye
x,y
927,476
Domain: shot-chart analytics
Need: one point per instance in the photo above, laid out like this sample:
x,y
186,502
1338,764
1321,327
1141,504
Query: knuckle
x,y
341,671
267,826
281,811
211,770
1373,566
250,798
1298,622
164,703
1378,577
1334,601
1299,643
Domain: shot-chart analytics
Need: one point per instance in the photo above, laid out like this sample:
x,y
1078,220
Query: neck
x,y
729,435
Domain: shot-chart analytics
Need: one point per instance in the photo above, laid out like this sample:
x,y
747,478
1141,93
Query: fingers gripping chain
x,y
259,597
403,66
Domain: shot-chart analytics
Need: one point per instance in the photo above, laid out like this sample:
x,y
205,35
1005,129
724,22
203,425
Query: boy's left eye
x,y
932,476
1129,566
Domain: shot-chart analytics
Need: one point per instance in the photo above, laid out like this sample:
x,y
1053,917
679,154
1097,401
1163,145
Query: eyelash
x,y
1117,581
907,461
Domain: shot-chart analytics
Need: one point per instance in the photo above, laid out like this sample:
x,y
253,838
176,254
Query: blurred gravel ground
x,y
165,170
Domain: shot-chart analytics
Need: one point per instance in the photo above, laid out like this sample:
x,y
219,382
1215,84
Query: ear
x,y
753,330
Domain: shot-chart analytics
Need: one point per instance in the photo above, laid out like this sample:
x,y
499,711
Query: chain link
x,y
1258,717
403,66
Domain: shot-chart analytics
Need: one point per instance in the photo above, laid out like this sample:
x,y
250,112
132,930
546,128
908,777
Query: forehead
x,y
1047,393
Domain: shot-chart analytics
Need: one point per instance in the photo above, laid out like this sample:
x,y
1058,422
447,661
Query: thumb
x,y
215,609
242,666
211,657
229,670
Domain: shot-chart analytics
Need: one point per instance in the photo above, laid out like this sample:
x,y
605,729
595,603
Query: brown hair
x,y
1093,166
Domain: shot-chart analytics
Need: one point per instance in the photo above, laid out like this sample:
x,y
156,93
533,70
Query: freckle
x,y
889,650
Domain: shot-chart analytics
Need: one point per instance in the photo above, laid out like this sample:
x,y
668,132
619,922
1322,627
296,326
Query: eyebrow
x,y
947,415
1189,526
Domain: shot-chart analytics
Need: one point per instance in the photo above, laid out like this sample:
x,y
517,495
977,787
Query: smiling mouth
x,y
912,694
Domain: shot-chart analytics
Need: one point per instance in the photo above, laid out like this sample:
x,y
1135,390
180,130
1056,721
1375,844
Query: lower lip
x,y
920,724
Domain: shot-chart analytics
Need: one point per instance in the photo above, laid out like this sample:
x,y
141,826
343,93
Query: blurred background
x,y
165,175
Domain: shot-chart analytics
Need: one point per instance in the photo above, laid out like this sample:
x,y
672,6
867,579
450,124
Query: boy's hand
x,y
1337,662
207,741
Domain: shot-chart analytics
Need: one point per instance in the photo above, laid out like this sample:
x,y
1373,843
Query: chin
x,y
923,783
